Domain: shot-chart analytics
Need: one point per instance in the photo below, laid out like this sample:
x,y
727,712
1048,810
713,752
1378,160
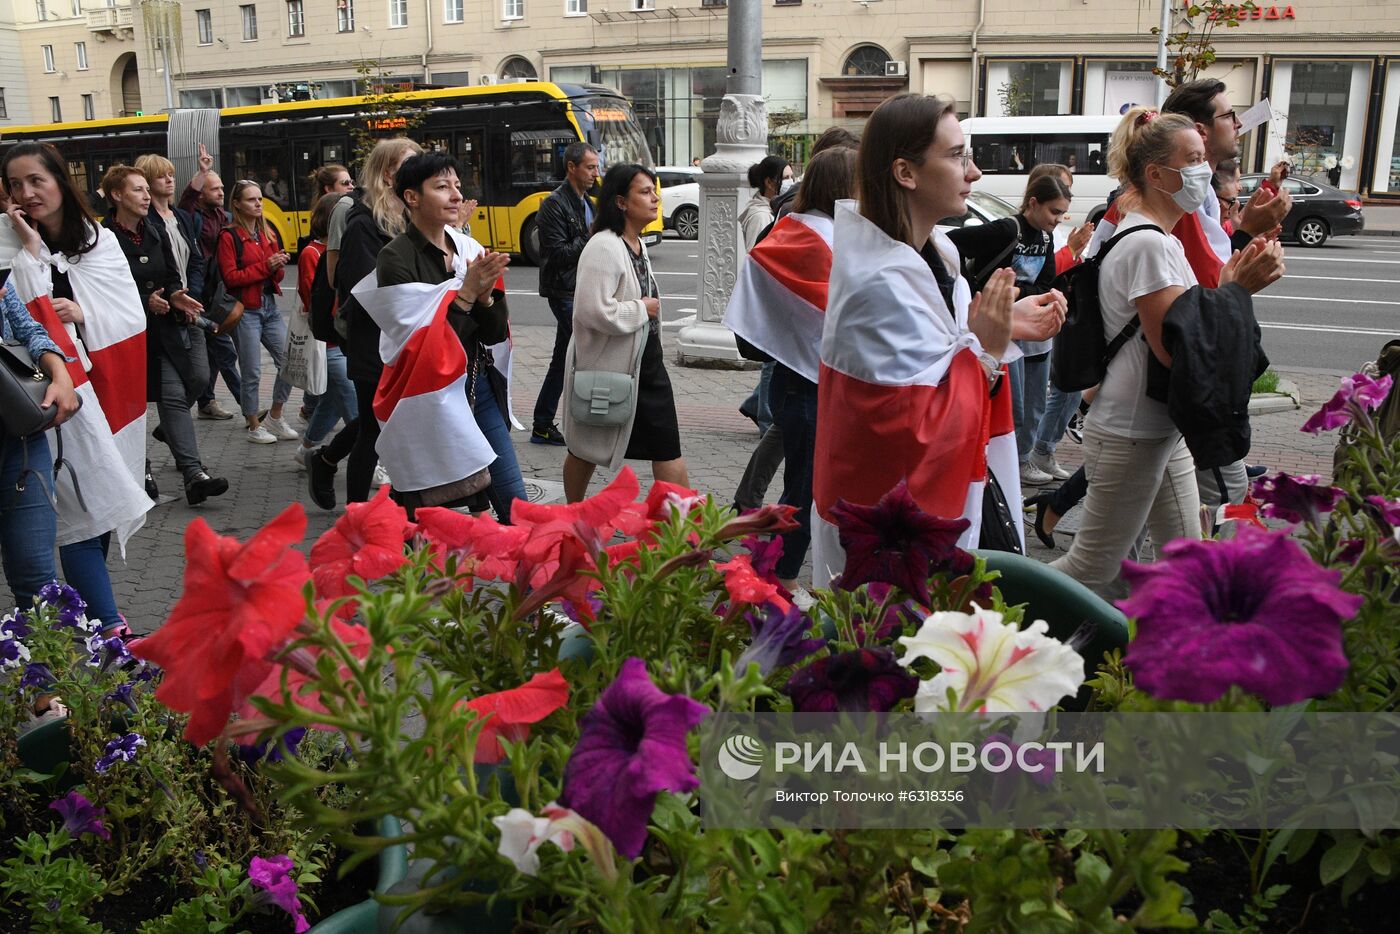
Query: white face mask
x,y
786,186
1195,186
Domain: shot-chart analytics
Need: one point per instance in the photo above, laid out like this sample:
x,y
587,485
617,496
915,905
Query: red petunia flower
x,y
366,542
746,586
509,713
492,546
300,687
241,602
591,521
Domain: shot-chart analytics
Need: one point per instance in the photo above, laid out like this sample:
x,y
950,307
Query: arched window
x,y
865,61
517,68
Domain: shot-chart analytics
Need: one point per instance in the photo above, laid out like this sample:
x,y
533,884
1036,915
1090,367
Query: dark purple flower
x,y
860,680
122,749
1044,758
896,615
1351,550
59,594
200,860
894,542
37,675
631,746
81,816
103,653
594,604
14,653
1252,611
1302,498
1357,394
122,695
272,752
764,555
777,639
273,877
145,671
15,624
1388,512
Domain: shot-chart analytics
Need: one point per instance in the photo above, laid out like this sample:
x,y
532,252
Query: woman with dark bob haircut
x,y
617,330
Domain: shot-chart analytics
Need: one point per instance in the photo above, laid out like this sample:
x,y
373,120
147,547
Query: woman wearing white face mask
x,y
1138,467
768,179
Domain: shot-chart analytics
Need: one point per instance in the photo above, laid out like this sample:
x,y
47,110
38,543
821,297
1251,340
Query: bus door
x,y
470,153
309,154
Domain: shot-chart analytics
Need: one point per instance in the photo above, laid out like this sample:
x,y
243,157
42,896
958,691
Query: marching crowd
x,y
891,349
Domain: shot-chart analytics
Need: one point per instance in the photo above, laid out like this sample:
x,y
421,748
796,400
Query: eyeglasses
x,y
1230,114
965,157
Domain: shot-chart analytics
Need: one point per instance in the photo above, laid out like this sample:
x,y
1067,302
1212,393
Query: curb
x,y
1287,399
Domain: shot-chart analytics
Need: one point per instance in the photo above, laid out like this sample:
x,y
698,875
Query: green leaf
x,y
1338,860
1379,861
766,849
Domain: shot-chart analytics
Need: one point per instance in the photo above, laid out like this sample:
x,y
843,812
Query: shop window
x,y
1028,89
865,61
245,96
452,79
202,98
1317,114
573,74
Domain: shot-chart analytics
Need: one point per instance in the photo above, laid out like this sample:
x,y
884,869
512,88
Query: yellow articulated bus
x,y
509,140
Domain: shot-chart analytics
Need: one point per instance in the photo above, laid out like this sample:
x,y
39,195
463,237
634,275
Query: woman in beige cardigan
x,y
617,328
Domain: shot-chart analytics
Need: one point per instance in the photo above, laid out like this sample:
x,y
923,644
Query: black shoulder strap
x,y
1131,328
1103,250
980,277
237,244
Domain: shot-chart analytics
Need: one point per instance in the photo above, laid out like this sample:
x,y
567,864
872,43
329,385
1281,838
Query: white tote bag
x,y
304,365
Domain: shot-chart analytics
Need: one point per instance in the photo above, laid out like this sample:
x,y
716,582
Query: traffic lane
x,y
1335,306
675,263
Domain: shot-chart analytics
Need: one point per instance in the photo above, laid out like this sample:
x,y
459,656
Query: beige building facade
x,y
67,60
1330,68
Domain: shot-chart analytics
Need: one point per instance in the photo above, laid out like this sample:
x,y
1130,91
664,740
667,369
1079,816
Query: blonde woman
x,y
357,233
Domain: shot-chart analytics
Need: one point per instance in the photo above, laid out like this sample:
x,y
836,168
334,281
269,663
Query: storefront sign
x,y
1243,13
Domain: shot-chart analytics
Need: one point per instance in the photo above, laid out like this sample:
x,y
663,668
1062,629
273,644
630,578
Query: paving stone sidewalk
x,y
716,441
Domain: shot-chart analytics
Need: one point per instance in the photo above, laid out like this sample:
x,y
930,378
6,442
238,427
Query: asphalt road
x,y
1333,310
1336,305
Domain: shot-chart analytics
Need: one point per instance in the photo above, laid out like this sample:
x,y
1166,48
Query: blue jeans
x,y
261,327
1060,406
1030,376
507,485
28,523
85,570
758,399
794,402
223,359
336,403
547,404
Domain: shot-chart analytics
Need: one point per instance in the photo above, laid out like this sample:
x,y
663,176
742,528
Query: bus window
x,y
537,157
269,164
470,154
1002,155
613,131
1083,154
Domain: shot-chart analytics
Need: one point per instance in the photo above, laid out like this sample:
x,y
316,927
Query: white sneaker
x,y
261,435
280,429
1032,475
381,477
300,455
1046,463
803,599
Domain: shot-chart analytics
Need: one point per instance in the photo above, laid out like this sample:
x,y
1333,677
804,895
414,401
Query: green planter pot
x,y
46,748
363,918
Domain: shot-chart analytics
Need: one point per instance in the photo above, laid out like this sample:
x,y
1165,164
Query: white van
x,y
1007,148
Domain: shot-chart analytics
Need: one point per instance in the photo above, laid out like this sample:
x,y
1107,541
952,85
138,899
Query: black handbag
x,y
1000,529
22,389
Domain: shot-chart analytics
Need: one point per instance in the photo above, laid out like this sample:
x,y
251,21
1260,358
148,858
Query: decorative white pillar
x,y
742,140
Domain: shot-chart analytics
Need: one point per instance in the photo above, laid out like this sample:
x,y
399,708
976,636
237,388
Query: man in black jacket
x,y
564,221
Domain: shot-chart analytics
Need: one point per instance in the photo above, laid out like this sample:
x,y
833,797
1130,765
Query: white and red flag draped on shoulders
x,y
428,434
902,394
780,294
105,442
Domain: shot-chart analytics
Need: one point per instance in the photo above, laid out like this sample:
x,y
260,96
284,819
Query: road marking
x,y
1347,279
678,298
1339,301
1366,332
1336,259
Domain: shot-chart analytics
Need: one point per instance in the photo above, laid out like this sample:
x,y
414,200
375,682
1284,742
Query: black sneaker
x,y
1075,429
320,479
204,486
549,434
151,489
159,433
1255,471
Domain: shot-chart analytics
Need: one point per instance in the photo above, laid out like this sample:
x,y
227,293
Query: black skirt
x,y
655,434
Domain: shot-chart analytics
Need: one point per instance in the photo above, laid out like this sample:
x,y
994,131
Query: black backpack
x,y
218,301
1081,352
322,308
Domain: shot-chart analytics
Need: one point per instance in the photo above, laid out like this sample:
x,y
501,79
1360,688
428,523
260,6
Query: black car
x,y
1319,210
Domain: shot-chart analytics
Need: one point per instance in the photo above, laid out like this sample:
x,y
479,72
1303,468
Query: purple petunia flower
x,y
896,615
122,695
777,639
272,752
894,542
1356,395
37,675
122,749
860,680
56,593
15,624
764,555
81,816
1388,512
1252,611
13,653
273,877
631,747
200,860
1040,762
1303,498
104,652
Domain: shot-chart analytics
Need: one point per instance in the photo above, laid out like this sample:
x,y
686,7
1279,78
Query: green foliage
x,y
54,890
386,112
1267,381
1191,50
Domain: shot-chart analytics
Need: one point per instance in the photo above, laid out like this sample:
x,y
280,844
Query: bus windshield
x,y
611,126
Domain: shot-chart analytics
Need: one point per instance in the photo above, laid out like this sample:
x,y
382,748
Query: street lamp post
x,y
1164,26
742,140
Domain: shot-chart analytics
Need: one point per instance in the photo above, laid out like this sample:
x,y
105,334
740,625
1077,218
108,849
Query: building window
x,y
245,96
517,69
398,13
48,59
1028,89
720,4
88,112
250,21
81,49
641,5
513,9
55,111
202,98
77,7
41,7
451,11
206,27
4,111
787,2
296,19
575,7
344,15
866,61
